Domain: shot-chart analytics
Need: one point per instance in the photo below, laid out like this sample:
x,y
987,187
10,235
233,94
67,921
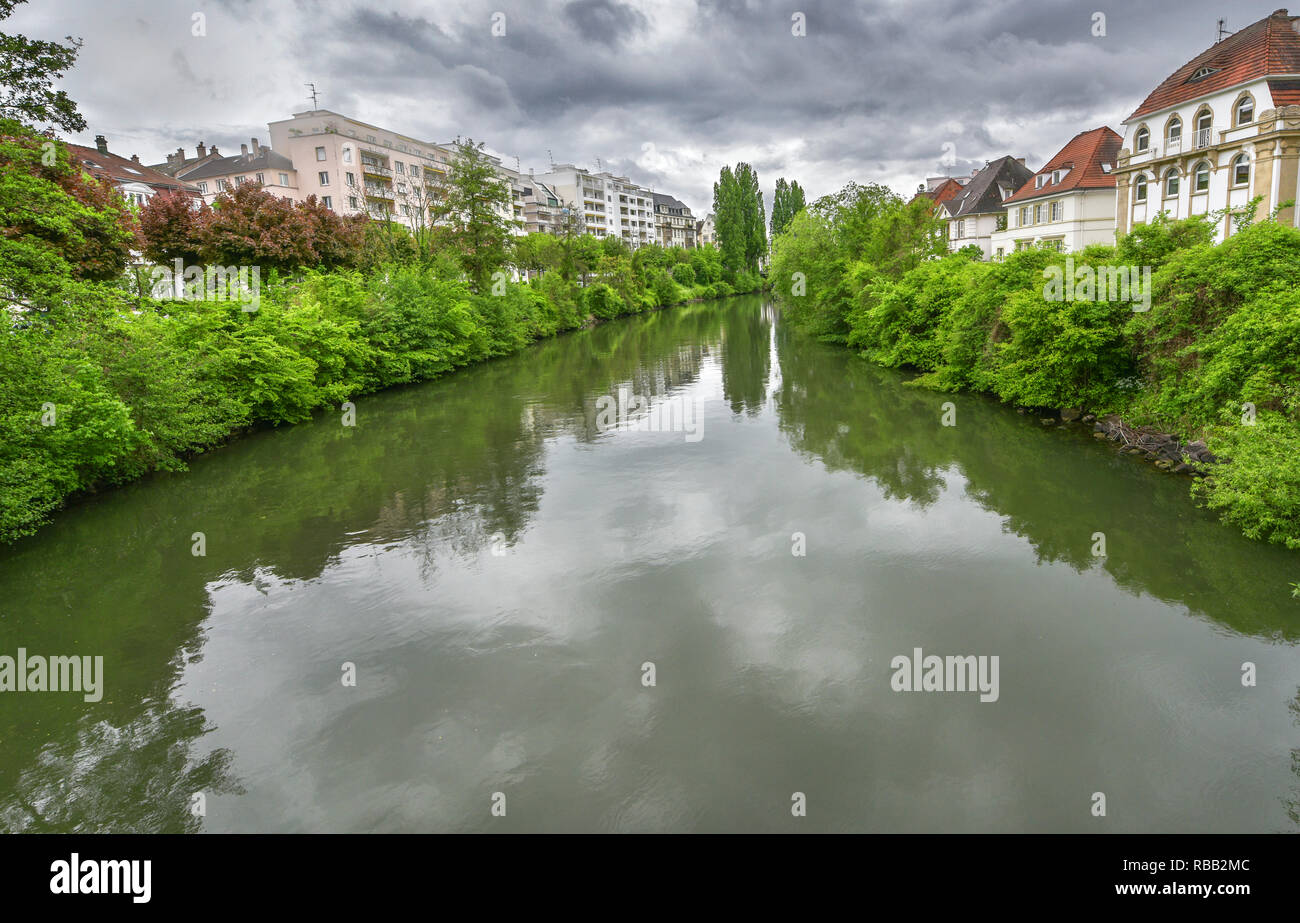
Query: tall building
x,y
354,167
674,223
1221,130
611,206
1069,203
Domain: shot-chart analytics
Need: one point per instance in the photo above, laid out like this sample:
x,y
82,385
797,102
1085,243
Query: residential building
x,y
705,231
354,167
214,175
939,189
1220,131
611,205
178,162
136,182
1069,203
975,212
674,223
541,207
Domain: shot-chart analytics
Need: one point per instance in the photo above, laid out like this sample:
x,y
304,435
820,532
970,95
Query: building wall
x,y
1085,217
1268,142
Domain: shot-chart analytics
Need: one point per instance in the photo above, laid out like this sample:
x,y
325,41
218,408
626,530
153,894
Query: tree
x,y
739,219
27,68
173,229
470,213
787,201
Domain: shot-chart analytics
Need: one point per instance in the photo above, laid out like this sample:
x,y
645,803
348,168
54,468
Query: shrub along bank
x,y
1210,352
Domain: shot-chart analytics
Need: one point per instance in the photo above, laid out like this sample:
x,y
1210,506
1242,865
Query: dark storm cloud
x,y
662,90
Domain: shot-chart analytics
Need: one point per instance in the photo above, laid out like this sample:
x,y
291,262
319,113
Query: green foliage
x,y
28,67
739,220
787,201
1260,490
684,274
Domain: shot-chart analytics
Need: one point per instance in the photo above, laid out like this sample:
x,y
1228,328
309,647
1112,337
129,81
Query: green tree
x,y
739,219
787,201
27,68
470,214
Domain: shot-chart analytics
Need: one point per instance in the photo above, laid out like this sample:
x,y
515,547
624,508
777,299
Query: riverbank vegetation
x,y
1212,354
106,374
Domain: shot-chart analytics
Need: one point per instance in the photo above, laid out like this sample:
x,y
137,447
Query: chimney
x,y
213,151
101,144
203,150
135,158
255,146
1020,160
180,155
243,150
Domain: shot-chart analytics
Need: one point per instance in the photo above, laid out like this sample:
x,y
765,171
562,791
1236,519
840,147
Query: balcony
x,y
1203,137
1173,145
375,169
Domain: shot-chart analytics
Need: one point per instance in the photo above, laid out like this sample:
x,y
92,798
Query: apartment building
x,y
611,206
354,167
1221,130
674,223
1069,203
213,174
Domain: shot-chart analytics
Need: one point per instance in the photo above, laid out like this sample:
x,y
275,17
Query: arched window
x,y
1143,139
1204,122
1201,177
1174,131
1245,109
1171,182
1240,170
1140,188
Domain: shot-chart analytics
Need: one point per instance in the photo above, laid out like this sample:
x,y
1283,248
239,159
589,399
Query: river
x,y
558,626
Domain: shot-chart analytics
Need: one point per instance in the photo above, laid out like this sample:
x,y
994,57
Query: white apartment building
x,y
1221,130
1069,203
611,206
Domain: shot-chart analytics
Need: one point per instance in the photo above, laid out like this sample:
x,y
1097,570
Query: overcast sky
x,y
664,91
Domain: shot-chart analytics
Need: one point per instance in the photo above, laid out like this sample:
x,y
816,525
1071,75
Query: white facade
x,y
1211,153
611,206
1068,222
973,229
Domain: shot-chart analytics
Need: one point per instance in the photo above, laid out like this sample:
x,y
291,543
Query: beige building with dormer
x,y
1222,130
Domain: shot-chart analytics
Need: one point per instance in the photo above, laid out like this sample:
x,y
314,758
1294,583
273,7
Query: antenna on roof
x,y
314,107
550,158
1222,31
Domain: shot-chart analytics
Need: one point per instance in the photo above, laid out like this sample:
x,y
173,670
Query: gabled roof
x,y
121,170
940,193
1262,49
1084,157
981,196
240,163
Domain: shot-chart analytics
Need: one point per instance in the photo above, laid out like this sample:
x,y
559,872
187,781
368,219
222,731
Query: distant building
x,y
674,223
975,212
214,175
705,231
611,206
1221,130
939,189
136,182
1069,203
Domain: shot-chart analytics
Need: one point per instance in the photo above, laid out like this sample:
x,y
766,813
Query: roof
x,y
121,170
1083,156
982,195
669,202
1262,49
239,163
1284,92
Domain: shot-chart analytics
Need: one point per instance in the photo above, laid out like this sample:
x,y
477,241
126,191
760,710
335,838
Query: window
x,y
320,153
284,179
1171,183
352,179
1056,176
1202,73
1058,210
1174,134
1201,177
261,179
405,210
1039,212
327,201
1000,253
400,167
240,180
203,188
1140,188
347,154
1143,140
352,201
1024,216
324,177
1240,170
222,185
1245,110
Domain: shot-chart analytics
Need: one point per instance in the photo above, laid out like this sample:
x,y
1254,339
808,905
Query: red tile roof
x,y
1284,92
945,191
121,170
1084,156
1262,49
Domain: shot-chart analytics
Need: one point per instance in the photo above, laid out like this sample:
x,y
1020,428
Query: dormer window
x,y
1056,176
1202,73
